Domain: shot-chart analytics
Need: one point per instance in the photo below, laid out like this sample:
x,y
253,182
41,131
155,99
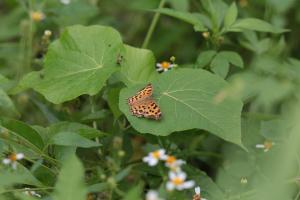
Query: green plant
x,y
66,129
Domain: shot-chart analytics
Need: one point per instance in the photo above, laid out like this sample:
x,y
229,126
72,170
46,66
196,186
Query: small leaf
x,y
233,57
72,127
205,58
191,18
5,83
7,107
182,5
231,15
220,65
255,25
78,63
70,184
24,131
134,193
113,99
187,96
21,176
72,139
138,67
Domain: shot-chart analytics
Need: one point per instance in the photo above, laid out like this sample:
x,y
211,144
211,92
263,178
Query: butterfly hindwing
x,y
146,108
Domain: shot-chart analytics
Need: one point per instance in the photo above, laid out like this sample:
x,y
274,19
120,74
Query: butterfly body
x,y
143,105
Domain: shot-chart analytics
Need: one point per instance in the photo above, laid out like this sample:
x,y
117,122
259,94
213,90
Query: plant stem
x,y
153,25
93,111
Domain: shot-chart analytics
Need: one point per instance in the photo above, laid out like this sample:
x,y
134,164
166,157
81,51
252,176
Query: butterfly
x,y
143,105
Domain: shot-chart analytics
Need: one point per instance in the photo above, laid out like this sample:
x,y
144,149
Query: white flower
x,y
152,195
153,157
66,2
197,195
30,192
12,159
177,181
173,163
267,145
164,66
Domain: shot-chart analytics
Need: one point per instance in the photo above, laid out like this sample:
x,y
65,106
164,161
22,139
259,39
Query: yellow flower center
x,y
165,65
156,154
12,157
268,145
177,181
171,159
37,16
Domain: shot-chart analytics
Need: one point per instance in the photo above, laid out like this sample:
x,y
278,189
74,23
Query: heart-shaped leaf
x,y
186,98
78,63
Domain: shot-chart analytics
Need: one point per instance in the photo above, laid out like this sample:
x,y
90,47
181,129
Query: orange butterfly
x,y
143,105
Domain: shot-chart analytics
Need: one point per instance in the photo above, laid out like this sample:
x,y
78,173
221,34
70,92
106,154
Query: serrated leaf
x,y
231,15
70,184
232,57
255,25
187,96
191,18
78,63
219,65
205,58
138,67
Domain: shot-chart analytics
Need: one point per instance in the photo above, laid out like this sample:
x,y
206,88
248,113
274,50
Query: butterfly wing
x,y
141,95
147,108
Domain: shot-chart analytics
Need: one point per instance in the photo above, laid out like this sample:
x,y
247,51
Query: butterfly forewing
x,y
141,95
142,104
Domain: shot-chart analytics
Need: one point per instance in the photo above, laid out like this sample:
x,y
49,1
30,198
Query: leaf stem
x,y
153,25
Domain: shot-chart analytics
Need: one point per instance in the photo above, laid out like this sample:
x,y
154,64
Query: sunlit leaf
x,y
188,96
78,63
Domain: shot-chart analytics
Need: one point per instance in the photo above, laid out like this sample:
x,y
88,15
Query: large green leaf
x,y
78,63
138,67
187,96
70,184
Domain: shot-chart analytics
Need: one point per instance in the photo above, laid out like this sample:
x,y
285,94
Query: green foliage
x,y
70,183
81,65
184,95
229,104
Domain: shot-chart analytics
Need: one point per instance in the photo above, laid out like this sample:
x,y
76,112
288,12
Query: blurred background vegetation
x,y
270,77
